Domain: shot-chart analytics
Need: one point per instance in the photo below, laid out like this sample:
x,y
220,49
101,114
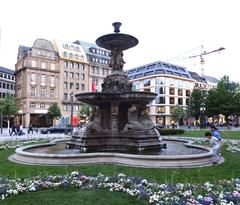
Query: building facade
x,y
54,71
172,84
7,82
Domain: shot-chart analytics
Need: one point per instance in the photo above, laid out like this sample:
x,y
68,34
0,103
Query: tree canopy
x,y
54,111
179,114
8,106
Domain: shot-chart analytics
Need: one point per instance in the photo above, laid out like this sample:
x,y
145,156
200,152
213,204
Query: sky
x,y
167,30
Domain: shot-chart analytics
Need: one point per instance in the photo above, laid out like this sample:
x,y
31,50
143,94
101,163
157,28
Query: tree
x,y
8,106
195,101
179,114
85,110
54,112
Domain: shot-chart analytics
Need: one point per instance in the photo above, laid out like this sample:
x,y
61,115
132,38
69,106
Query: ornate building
x,y
55,71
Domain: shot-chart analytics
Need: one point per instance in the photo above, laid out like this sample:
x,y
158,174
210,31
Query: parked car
x,y
56,129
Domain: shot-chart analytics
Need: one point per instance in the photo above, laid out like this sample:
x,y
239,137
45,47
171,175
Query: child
x,y
216,145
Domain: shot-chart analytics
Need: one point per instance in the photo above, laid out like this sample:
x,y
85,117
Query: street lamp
x,y
71,94
202,116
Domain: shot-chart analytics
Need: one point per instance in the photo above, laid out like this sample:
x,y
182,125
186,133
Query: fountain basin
x,y
24,155
98,98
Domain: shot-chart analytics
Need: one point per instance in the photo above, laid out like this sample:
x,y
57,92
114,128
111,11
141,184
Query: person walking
x,y
30,128
13,129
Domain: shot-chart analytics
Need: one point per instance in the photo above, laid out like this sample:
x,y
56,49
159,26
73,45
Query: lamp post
x,y
71,94
202,116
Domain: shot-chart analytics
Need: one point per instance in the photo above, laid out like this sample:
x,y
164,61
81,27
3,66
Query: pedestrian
x,y
216,145
215,132
13,129
30,128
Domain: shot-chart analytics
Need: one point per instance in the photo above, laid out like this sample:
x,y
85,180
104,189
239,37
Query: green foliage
x,y
8,106
54,111
171,131
179,113
195,101
85,110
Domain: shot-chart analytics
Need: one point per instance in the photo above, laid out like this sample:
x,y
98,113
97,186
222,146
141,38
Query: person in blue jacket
x,y
215,132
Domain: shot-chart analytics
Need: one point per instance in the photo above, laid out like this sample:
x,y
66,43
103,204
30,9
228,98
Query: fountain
x,y
120,130
120,121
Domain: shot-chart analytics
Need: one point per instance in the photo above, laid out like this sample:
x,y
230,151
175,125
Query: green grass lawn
x,y
229,169
73,196
201,133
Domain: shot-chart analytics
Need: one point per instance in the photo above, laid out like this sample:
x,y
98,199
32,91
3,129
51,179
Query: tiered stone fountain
x,y
120,121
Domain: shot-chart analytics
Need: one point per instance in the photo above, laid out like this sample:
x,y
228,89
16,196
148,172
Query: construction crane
x,y
202,61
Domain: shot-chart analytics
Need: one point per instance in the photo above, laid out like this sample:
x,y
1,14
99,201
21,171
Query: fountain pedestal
x,y
119,121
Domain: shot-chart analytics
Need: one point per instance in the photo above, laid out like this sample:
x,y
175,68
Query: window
x,y
71,85
180,101
32,105
65,64
136,86
171,81
65,85
180,92
146,83
52,81
77,75
160,109
43,80
43,65
160,90
180,83
172,100
160,100
76,108
71,74
65,107
171,91
65,54
188,93
52,93
43,93
188,85
53,67
33,91
77,86
33,78
159,81
82,87
34,64
65,96
82,76
65,74
42,105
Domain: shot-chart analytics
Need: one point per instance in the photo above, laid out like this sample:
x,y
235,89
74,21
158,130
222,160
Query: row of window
x,y
172,100
168,81
69,108
162,109
51,55
42,92
7,76
73,56
2,95
96,70
39,105
42,79
74,75
100,51
71,47
67,85
39,64
7,86
69,64
99,60
162,90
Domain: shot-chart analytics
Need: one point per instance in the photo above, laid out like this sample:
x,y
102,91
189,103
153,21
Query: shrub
x,y
171,131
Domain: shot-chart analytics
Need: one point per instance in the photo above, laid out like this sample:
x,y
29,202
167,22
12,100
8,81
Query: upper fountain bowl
x,y
117,40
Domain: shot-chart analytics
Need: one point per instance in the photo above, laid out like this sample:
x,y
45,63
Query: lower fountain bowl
x,y
39,155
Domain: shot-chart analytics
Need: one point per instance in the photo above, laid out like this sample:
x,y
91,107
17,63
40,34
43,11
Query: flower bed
x,y
223,192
